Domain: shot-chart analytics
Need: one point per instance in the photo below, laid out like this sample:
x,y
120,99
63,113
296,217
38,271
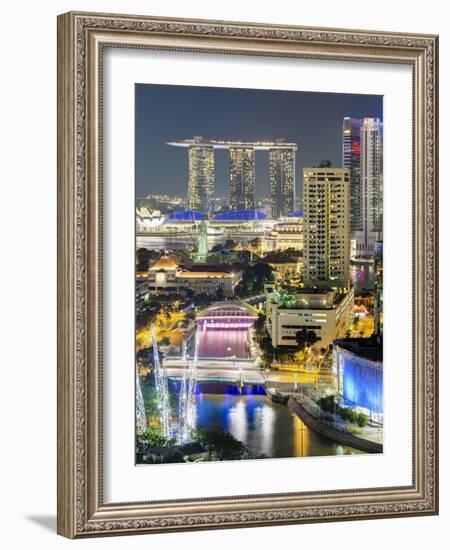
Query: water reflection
x,y
223,343
267,429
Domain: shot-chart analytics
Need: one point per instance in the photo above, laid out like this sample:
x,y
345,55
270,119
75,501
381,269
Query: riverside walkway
x,y
368,439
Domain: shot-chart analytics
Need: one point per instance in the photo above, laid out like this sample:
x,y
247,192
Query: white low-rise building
x,y
326,312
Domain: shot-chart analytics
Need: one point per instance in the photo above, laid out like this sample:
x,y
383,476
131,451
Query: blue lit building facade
x,y
240,216
358,368
186,216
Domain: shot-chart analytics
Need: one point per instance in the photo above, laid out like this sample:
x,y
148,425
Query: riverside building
x,y
358,368
242,178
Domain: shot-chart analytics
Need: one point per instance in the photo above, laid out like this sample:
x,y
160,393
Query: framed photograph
x,y
247,283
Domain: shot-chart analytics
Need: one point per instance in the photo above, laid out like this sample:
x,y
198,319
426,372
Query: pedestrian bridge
x,y
219,369
227,315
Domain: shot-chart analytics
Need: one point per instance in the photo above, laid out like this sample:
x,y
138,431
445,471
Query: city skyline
x,y
271,308
170,113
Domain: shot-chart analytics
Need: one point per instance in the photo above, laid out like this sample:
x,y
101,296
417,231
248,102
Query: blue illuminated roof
x,y
240,215
187,216
298,214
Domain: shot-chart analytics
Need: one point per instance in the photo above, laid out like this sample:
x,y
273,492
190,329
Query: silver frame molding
x,y
81,39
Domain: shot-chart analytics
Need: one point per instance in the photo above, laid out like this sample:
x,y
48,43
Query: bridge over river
x,y
214,380
226,350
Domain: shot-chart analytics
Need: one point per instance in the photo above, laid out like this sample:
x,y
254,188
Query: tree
x,y
253,278
144,257
362,420
165,341
202,299
223,443
306,338
300,356
219,294
260,324
348,414
267,351
243,256
328,403
154,437
287,299
229,244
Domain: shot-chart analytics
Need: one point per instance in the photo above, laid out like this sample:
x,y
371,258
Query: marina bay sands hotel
x,y
242,173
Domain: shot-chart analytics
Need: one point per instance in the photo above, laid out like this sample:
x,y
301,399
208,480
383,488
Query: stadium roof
x,y
239,215
298,214
187,216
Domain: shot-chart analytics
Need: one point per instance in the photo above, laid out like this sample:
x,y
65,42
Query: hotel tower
x,y
282,180
242,178
242,173
201,177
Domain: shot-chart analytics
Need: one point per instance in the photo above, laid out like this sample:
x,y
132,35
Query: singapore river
x,y
267,429
223,343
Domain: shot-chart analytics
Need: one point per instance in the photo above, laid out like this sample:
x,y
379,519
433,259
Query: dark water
x,y
267,429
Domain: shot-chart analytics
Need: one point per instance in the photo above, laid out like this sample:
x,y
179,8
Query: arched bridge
x,y
230,314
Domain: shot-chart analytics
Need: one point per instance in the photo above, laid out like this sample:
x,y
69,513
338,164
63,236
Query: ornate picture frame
x,y
81,40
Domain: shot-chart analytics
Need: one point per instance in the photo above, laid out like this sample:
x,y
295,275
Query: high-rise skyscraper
x,y
242,178
282,180
326,205
362,153
242,172
371,185
351,153
201,177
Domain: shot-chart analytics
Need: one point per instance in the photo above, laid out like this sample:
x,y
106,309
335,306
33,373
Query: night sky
x,y
312,120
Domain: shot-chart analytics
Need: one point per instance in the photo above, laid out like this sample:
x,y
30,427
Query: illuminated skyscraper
x,y
362,153
242,173
242,178
282,180
201,177
326,200
351,153
371,185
